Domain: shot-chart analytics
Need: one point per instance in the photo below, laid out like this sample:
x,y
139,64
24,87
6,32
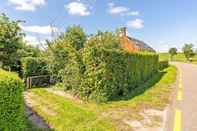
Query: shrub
x,y
10,43
72,73
163,64
57,58
34,66
75,36
107,40
113,73
12,116
62,53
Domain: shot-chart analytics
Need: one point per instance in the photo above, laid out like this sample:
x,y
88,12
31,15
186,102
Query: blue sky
x,y
160,23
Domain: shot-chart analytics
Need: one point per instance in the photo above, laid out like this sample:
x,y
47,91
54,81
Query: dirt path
x,y
33,116
183,116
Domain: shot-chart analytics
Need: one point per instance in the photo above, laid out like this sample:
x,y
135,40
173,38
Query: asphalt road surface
x,y
183,113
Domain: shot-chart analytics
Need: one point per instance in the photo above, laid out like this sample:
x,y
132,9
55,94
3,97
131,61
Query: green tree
x,y
108,40
57,57
172,52
29,51
75,36
188,51
64,53
11,40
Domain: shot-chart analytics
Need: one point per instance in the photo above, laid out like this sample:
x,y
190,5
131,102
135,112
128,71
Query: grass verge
x,y
66,114
33,127
179,57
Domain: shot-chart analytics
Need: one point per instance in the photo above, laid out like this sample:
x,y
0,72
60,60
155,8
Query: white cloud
x,y
120,10
39,29
32,40
77,8
135,24
27,5
117,9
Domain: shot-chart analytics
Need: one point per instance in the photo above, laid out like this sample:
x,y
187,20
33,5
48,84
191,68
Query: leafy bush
x,y
72,73
34,66
108,40
10,43
113,73
63,54
12,116
163,64
65,64
188,50
57,58
75,36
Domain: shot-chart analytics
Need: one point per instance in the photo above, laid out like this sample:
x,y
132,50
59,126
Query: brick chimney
x,y
124,31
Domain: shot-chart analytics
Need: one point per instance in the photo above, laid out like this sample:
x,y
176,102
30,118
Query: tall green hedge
x,y
163,64
34,66
113,73
12,116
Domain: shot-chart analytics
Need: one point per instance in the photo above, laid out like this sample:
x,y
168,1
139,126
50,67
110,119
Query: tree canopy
x,y
107,40
75,36
172,52
12,46
188,51
10,42
64,52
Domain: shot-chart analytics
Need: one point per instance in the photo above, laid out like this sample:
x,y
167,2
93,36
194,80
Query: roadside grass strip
x,y
65,114
177,120
180,57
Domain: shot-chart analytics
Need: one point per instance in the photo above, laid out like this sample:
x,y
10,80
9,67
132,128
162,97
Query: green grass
x,y
179,57
68,115
33,127
65,115
156,96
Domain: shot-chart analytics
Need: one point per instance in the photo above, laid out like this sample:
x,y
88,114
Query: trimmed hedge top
x,y
6,74
12,116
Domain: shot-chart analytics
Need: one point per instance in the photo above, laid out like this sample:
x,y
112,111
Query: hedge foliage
x,y
72,73
34,66
99,68
12,116
65,64
163,64
114,73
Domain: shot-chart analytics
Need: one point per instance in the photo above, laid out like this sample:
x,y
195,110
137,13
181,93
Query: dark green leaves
x,y
111,74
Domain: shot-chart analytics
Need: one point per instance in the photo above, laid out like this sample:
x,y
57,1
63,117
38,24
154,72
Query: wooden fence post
x,y
30,82
27,83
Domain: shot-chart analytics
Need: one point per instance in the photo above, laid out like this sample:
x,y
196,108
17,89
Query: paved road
x,y
183,116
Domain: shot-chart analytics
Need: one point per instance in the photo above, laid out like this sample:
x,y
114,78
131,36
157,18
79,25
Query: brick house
x,y
131,44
